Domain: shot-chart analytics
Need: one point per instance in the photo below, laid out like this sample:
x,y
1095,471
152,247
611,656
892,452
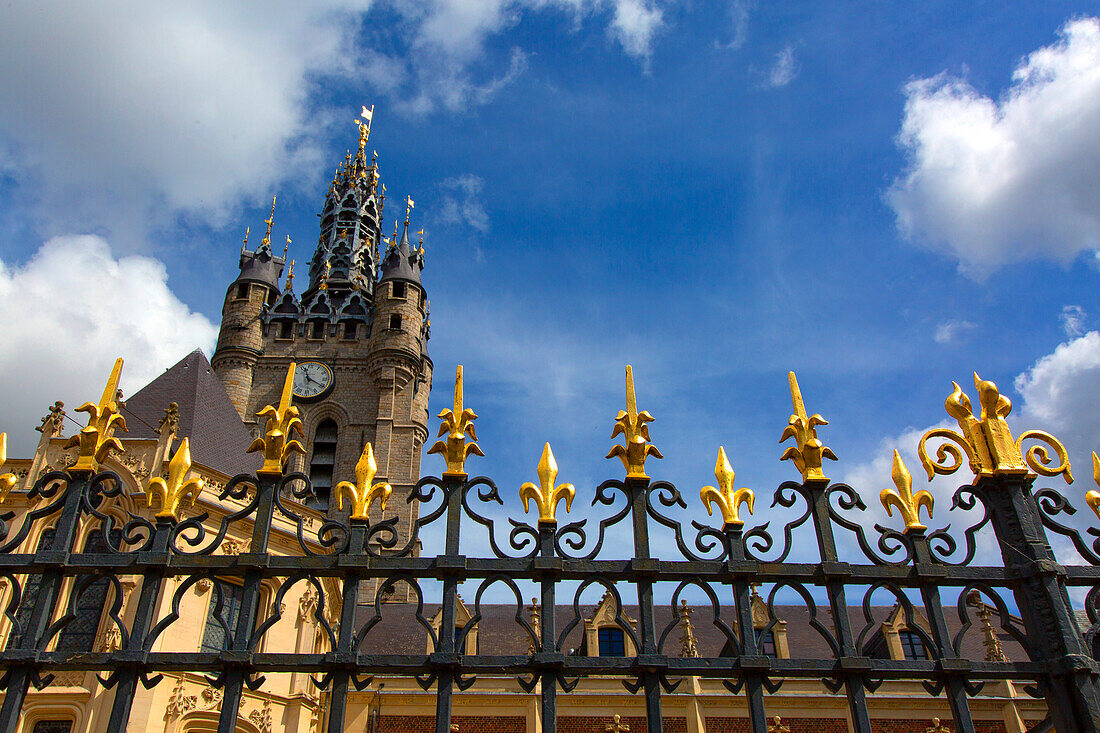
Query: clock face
x,y
312,380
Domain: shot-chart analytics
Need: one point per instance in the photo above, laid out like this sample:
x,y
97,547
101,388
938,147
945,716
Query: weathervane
x,y
364,127
409,204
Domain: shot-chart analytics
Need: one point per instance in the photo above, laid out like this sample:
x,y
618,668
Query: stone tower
x,y
358,334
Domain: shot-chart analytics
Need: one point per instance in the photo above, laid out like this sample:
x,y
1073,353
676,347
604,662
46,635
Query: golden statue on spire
x,y
269,221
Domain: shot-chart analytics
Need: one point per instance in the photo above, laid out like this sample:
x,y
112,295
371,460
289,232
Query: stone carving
x,y
178,703
262,718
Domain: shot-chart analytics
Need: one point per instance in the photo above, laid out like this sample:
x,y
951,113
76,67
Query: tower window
x,y
395,322
351,329
286,329
422,299
397,290
242,291
611,642
317,329
320,467
912,645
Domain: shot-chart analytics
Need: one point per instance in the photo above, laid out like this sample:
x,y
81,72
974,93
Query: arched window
x,y
79,635
321,463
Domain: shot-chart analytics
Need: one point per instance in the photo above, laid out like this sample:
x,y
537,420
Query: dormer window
x,y
912,646
612,642
397,289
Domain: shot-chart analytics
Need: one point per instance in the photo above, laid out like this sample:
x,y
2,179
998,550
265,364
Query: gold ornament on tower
x,y
7,480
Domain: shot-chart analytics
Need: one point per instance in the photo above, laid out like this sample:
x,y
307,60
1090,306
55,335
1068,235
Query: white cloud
x,y
634,24
740,11
133,113
992,182
952,331
1073,320
784,70
462,202
1061,394
69,312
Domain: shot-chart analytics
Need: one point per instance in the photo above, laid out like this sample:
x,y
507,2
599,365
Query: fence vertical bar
x,y
548,631
236,670
738,563
345,655
1071,689
817,492
445,657
135,651
950,666
644,565
49,589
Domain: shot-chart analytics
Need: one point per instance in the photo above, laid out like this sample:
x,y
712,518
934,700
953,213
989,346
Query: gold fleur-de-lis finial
x,y
1092,496
635,431
907,503
282,421
986,440
546,495
95,442
810,451
7,480
364,492
178,487
270,220
728,499
458,424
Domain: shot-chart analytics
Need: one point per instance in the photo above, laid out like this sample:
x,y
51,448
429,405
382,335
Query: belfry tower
x,y
358,334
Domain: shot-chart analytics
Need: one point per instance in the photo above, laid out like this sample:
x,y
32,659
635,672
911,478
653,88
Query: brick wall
x,y
466,724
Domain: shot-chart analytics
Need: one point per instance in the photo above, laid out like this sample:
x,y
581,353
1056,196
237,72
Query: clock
x,y
312,381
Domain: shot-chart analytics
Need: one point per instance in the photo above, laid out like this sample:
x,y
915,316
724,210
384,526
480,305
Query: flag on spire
x,y
368,113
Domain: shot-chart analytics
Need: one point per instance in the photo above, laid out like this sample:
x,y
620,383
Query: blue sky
x,y
883,197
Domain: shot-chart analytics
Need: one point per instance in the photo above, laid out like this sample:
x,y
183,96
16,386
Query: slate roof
x,y
500,634
219,438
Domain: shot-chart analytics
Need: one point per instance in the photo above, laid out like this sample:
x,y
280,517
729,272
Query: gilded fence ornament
x,y
635,431
907,503
7,480
95,442
810,451
282,421
546,495
1092,497
177,487
986,439
724,495
364,492
458,424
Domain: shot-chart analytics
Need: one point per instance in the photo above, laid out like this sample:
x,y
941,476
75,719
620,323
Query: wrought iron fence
x,y
720,563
